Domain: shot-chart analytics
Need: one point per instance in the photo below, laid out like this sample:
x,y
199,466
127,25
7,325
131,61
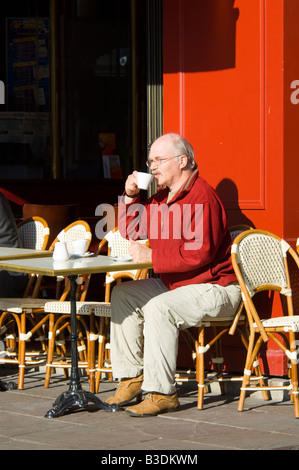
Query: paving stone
x,y
219,426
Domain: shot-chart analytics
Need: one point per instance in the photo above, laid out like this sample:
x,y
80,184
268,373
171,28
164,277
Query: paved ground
x,y
218,427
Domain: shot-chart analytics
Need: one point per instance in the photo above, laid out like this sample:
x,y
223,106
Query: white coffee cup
x,y
144,180
79,247
60,252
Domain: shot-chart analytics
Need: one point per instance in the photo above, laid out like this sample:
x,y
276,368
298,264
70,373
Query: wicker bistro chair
x,y
75,231
61,306
30,312
34,233
199,345
59,313
87,336
93,317
260,260
117,247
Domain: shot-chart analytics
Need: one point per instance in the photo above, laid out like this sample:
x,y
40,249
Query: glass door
x,y
98,71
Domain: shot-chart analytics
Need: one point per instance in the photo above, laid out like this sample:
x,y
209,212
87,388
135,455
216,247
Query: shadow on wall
x,y
210,26
228,193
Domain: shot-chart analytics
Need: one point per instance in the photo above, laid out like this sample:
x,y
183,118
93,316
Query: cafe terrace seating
x,y
30,310
260,261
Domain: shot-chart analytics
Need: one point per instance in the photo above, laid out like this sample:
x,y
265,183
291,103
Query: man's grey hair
x,y
181,146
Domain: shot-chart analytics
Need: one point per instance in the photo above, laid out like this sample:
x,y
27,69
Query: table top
x,y
9,253
75,265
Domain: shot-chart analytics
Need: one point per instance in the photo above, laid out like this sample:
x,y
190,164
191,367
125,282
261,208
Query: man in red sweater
x,y
189,247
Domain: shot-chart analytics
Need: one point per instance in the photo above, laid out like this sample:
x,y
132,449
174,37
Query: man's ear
x,y
184,162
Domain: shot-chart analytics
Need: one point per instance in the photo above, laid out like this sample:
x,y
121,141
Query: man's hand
x,y
140,252
131,187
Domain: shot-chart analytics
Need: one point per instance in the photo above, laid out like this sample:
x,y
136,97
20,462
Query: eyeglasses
x,y
158,161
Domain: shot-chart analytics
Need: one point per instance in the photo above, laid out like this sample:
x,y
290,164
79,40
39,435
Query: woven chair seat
x,y
102,309
82,308
20,305
288,323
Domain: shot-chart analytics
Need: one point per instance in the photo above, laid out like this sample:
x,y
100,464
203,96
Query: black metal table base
x,y
80,398
76,396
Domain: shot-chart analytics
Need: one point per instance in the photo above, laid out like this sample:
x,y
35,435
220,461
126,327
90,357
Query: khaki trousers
x,y
145,321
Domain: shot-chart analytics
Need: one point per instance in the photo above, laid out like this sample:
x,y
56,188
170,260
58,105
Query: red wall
x,y
291,119
228,68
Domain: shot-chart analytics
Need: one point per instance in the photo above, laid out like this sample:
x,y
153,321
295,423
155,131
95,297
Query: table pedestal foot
x,y
79,398
7,386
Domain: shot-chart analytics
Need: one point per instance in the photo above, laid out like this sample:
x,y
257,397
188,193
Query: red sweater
x,y
177,255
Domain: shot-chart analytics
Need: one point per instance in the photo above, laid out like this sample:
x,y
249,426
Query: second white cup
x,y
79,247
144,180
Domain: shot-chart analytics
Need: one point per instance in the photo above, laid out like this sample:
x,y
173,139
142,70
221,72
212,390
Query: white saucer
x,y
86,255
122,258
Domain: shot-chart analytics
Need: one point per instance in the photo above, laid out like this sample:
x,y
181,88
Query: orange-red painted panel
x,y
228,68
218,86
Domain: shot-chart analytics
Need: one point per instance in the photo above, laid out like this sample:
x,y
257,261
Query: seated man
x,y
196,278
11,284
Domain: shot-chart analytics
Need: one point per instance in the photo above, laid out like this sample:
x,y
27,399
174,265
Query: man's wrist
x,y
133,196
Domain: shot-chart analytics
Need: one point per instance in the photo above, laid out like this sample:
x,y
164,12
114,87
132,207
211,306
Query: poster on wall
x,y
24,128
28,62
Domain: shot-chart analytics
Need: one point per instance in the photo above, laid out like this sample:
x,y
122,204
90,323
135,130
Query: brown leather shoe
x,y
154,404
127,390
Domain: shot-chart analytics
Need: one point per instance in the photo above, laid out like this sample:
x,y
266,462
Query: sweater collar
x,y
185,188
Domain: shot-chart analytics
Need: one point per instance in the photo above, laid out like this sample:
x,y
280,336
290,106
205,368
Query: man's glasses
x,y
158,161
